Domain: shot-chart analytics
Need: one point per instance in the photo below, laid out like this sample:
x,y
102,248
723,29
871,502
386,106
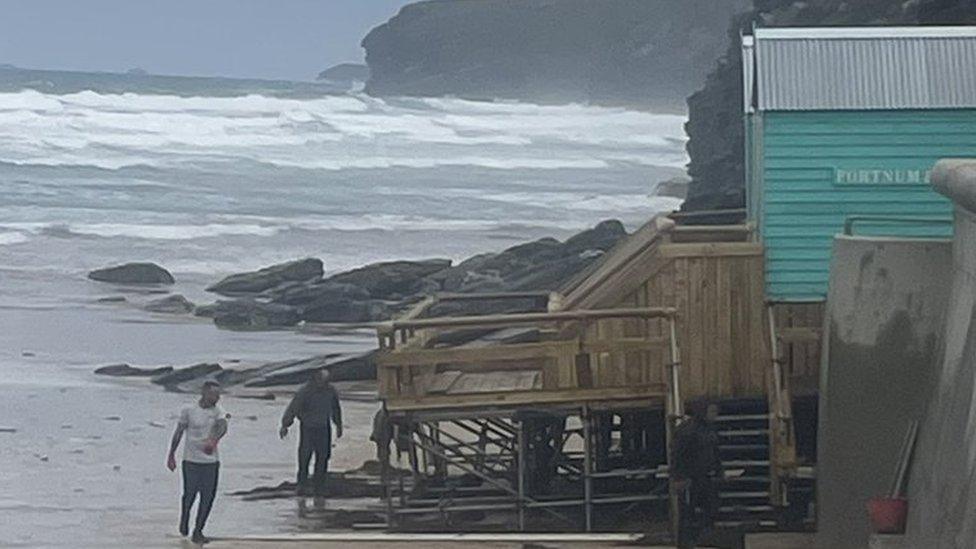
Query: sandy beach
x,y
86,466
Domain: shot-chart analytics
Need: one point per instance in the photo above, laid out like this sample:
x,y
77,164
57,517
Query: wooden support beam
x,y
468,355
711,249
799,335
572,396
531,318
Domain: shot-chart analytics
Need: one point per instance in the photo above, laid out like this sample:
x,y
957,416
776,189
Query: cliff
x,y
345,72
715,128
648,52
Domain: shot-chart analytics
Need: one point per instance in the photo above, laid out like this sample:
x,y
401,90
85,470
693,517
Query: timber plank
x,y
580,396
711,249
450,355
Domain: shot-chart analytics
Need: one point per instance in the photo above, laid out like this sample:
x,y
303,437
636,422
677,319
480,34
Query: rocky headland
x,y
635,52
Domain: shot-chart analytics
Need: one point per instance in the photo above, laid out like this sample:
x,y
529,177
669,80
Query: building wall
x,y
942,482
819,167
884,320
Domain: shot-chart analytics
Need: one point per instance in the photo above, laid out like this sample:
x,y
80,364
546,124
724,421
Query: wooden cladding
x,y
717,289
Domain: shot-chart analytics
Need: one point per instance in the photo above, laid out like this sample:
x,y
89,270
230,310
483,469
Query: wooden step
x,y
745,508
744,495
742,417
743,447
734,463
746,479
744,433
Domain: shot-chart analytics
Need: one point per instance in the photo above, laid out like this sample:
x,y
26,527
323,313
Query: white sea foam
x,y
136,230
112,131
9,238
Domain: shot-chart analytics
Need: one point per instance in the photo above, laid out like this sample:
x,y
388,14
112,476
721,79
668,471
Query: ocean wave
x,y
435,162
140,231
9,238
576,201
396,222
113,131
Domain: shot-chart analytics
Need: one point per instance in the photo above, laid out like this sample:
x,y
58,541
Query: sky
x,y
288,39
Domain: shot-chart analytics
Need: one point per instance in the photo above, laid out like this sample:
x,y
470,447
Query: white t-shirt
x,y
199,424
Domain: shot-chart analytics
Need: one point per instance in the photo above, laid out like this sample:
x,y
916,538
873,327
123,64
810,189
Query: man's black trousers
x,y
315,440
198,478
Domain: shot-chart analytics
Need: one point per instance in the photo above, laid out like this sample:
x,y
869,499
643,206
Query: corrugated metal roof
x,y
865,68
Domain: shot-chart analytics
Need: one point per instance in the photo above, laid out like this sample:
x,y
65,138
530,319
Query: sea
x,y
211,176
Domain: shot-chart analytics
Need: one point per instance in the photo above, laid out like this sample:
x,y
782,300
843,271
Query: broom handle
x,y
904,459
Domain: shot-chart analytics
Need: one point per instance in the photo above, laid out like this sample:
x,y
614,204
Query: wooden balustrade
x,y
562,364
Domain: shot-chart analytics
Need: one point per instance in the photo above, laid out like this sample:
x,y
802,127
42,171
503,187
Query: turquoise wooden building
x,y
843,126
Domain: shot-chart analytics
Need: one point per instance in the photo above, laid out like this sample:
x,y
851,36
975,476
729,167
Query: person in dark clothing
x,y
316,405
695,463
382,435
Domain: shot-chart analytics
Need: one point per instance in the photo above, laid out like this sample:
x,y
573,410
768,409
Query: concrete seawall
x,y
884,314
942,487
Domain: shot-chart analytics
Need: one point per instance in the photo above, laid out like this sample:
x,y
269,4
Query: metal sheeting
x,y
865,68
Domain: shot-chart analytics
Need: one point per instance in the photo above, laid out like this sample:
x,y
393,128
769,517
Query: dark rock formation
x,y
715,127
345,72
345,310
544,264
249,313
133,273
379,291
341,367
258,281
392,279
637,51
174,304
601,237
356,366
175,377
301,294
676,187
124,370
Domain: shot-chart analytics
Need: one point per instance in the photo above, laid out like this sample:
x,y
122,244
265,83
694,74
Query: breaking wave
x,y
113,131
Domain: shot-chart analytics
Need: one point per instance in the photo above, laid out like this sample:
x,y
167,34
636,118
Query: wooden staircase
x,y
744,448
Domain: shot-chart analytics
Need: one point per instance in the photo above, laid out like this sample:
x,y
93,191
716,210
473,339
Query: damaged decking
x,y
562,408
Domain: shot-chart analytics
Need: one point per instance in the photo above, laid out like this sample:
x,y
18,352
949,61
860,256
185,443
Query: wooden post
x,y
587,468
521,475
384,455
674,411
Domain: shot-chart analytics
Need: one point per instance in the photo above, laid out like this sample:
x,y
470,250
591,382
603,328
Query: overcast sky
x,y
292,39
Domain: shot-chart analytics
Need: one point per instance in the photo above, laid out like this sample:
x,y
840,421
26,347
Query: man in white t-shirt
x,y
204,423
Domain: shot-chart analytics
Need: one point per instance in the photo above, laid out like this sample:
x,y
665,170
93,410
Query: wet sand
x,y
85,467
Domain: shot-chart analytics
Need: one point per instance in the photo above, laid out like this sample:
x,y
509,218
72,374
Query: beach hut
x,y
843,127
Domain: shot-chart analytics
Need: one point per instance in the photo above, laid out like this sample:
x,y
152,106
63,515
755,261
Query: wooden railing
x,y
560,362
782,438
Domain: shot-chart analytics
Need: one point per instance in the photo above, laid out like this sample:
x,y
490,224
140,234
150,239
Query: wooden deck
x,y
714,288
554,366
669,315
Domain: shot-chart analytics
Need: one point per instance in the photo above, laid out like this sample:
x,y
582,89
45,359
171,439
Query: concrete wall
x,y
885,306
942,487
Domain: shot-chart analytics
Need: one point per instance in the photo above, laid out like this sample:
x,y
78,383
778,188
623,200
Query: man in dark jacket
x,y
695,464
316,405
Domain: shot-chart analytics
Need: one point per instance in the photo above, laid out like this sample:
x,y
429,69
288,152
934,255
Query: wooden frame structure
x,y
487,411
475,395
